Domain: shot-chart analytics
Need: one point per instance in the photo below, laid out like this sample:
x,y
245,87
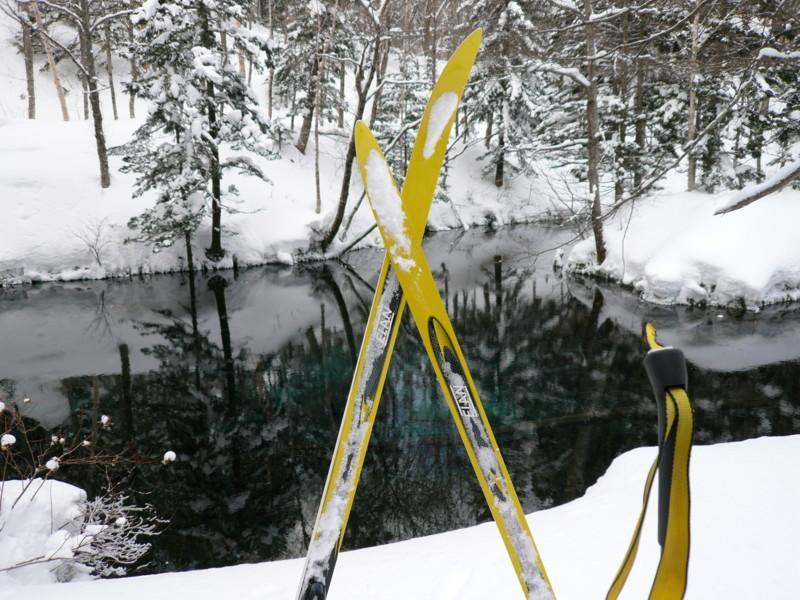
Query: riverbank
x,y
61,226
672,249
741,549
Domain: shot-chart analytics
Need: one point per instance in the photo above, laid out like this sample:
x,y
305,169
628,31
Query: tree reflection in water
x,y
564,389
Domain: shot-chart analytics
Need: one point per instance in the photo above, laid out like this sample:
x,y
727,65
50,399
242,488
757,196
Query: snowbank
x,y
675,251
57,214
744,502
36,524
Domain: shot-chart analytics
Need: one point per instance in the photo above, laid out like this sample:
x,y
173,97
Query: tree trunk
x,y
310,102
51,63
110,71
376,99
126,402
217,285
340,116
214,252
620,151
641,125
593,131
763,109
134,72
500,157
27,51
691,130
94,95
318,207
430,26
363,86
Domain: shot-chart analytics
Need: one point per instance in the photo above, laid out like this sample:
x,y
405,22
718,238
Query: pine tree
x,y
203,118
503,95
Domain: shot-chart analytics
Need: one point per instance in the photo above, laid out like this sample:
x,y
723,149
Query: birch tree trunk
x,y
110,71
51,63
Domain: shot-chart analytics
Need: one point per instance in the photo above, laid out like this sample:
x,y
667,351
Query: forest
x,y
600,100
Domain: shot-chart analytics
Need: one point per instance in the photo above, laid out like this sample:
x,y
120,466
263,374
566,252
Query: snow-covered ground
x,y
744,536
674,250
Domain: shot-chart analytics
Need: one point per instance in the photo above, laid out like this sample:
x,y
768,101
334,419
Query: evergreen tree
x,y
504,93
203,121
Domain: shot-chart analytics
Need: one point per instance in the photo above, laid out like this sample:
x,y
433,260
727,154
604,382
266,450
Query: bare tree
x,y
87,23
365,75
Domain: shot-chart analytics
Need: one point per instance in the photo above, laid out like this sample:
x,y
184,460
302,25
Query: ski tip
x,y
469,46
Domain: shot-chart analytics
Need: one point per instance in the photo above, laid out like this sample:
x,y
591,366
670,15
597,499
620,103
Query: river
x,y
245,376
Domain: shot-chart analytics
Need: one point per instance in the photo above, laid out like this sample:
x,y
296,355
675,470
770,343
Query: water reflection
x,y
245,379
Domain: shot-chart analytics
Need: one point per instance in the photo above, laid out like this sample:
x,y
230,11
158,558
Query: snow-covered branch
x,y
773,53
755,192
375,14
78,64
63,9
111,16
570,72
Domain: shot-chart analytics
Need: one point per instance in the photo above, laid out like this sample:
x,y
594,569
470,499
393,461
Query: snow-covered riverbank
x,y
744,531
60,225
673,250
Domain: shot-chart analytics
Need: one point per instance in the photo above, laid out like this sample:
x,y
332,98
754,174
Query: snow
x,y
571,72
52,464
441,113
743,197
37,523
773,53
582,544
674,250
169,456
7,440
388,208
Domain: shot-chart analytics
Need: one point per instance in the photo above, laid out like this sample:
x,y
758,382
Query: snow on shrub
x,y
50,532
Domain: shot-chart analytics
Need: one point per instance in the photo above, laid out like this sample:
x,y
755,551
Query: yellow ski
x,y
381,330
399,229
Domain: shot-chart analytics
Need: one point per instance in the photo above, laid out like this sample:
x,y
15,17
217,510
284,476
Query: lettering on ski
x,y
430,316
384,328
463,401
380,333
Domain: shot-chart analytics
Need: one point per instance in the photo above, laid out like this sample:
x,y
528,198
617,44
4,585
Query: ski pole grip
x,y
666,368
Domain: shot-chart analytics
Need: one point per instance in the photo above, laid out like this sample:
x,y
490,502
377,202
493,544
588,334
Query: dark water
x,y
245,379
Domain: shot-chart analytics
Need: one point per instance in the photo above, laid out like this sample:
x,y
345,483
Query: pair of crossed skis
x,y
406,280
